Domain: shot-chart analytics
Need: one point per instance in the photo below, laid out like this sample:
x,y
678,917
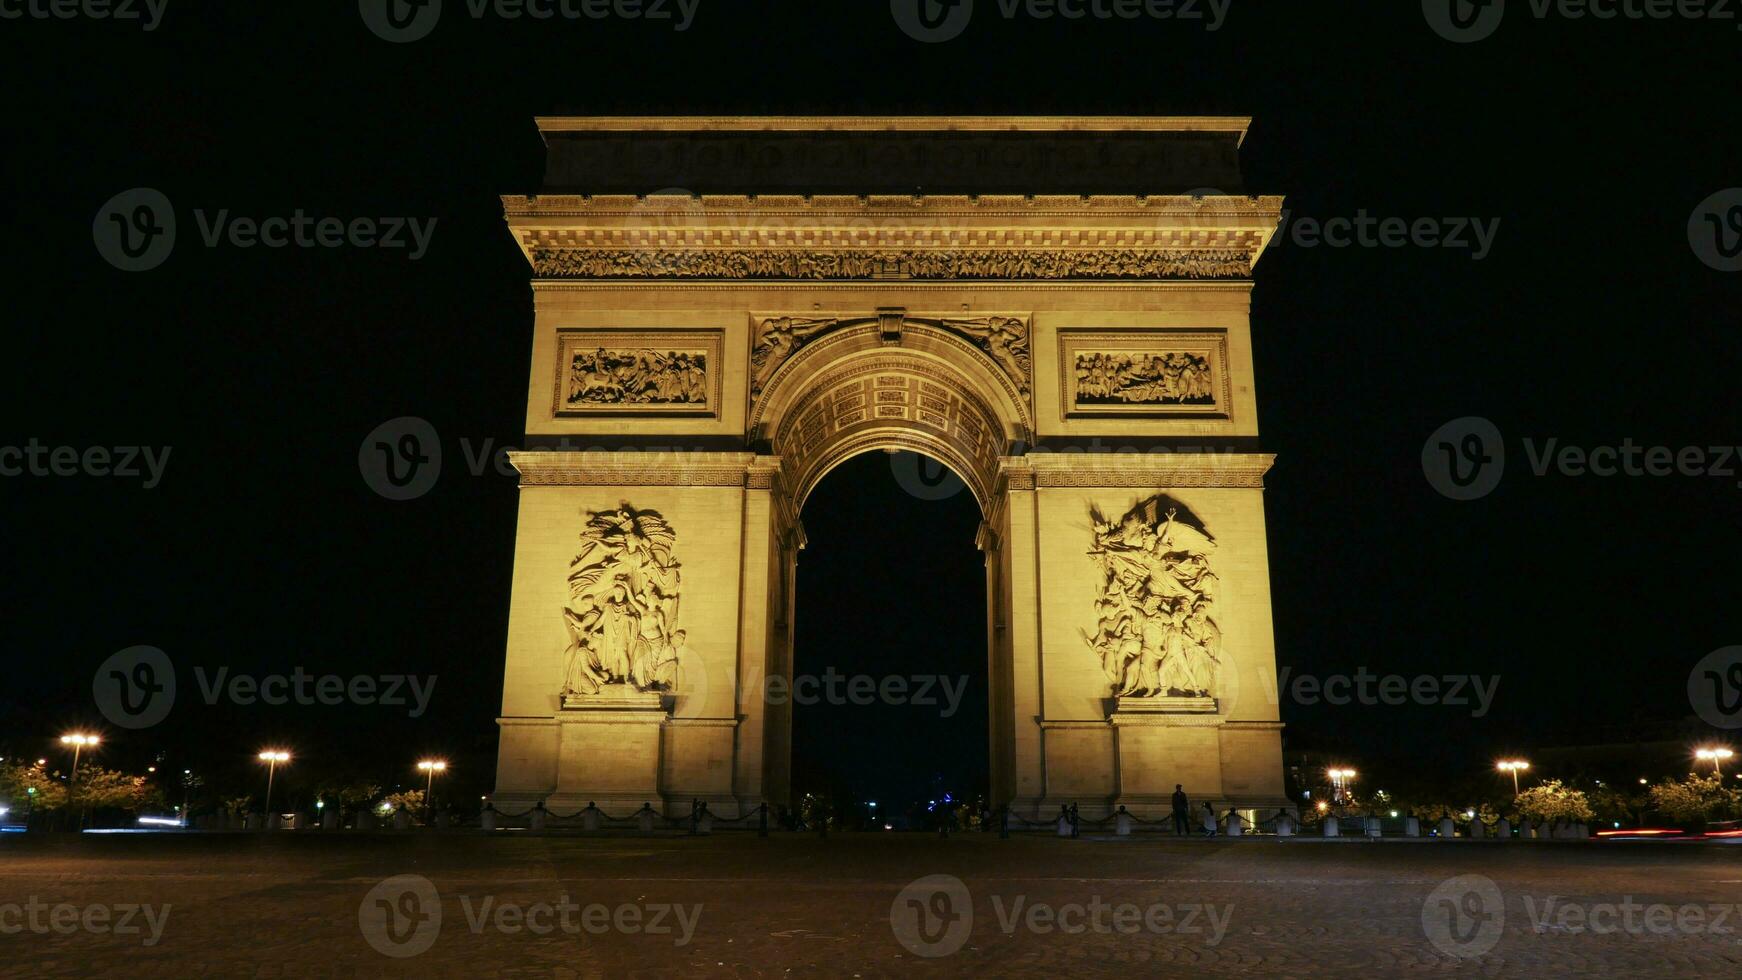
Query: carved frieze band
x,y
558,468
865,263
1134,470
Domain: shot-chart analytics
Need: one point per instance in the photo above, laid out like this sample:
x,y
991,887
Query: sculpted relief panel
x,y
623,608
631,373
1158,373
931,264
1155,616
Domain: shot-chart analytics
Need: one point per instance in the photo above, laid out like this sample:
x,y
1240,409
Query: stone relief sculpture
x,y
623,605
627,377
1175,378
1003,337
778,338
999,263
1155,630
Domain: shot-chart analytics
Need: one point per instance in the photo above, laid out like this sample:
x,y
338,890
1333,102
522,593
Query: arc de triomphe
x,y
727,308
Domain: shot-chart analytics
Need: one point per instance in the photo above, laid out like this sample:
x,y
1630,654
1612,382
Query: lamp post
x,y
272,757
429,767
78,741
1513,766
1717,757
1340,783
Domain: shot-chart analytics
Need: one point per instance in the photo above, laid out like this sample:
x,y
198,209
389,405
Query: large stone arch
x,y
853,390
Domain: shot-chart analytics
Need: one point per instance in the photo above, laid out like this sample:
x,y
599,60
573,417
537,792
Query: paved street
x,y
300,905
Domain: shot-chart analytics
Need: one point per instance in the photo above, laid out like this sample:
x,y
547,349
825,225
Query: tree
x,y
1554,800
16,783
411,801
351,795
1695,798
102,789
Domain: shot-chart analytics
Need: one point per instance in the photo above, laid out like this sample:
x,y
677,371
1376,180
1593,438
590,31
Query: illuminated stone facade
x,y
700,360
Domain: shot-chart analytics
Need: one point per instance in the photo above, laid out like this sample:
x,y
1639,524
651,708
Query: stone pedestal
x,y
609,751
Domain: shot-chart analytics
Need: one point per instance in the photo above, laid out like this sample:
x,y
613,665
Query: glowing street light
x,y
1340,782
1513,766
429,767
272,757
1717,756
78,741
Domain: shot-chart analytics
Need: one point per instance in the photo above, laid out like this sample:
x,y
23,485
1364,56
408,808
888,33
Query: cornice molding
x,y
1140,470
556,468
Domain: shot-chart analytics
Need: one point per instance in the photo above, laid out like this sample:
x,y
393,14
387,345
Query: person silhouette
x,y
1181,806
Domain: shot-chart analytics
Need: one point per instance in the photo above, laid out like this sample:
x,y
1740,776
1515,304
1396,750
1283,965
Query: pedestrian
x,y
1181,806
1209,817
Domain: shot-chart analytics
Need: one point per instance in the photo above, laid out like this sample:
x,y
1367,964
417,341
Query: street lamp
x,y
78,741
1340,782
272,757
1513,766
1717,756
429,767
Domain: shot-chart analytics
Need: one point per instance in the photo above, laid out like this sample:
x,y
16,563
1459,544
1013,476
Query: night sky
x,y
1590,321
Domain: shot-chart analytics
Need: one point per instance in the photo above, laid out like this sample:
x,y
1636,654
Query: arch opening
x,y
891,688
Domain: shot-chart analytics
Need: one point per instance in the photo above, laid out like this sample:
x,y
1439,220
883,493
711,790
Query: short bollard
x,y
1478,830
1233,826
1370,827
401,819
1284,825
1527,831
644,818
1503,829
1411,826
1448,830
1581,832
1331,827
330,818
705,821
487,819
590,817
538,815
1123,823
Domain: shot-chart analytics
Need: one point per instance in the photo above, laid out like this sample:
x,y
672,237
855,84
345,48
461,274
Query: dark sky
x,y
1590,321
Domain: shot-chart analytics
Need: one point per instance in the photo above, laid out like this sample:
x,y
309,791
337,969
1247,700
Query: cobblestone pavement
x,y
301,905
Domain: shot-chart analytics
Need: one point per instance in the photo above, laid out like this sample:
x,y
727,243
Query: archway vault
x,y
893,382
